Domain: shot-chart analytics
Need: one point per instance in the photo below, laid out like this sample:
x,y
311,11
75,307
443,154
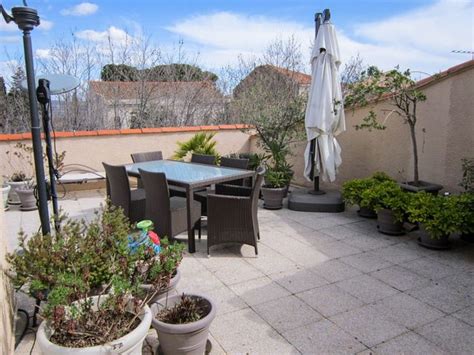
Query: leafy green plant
x,y
465,205
440,215
467,182
200,143
352,190
275,178
399,90
187,310
386,194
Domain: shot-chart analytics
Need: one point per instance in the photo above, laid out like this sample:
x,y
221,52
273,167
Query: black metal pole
x,y
27,19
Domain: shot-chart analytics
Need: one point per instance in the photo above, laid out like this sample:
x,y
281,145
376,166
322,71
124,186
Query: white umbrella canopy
x,y
324,118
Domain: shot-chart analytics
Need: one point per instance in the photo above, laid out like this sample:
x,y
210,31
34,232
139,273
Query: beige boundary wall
x,y
115,146
445,134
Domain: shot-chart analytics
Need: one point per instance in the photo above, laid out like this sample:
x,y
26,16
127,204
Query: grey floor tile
x,y
334,270
400,278
446,299
245,332
368,326
330,300
287,313
339,232
408,344
466,315
407,311
399,253
323,337
259,290
367,288
450,334
368,242
226,300
429,268
337,249
299,280
366,262
237,271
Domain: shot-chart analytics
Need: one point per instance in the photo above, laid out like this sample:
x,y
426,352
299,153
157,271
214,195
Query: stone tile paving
x,y
322,284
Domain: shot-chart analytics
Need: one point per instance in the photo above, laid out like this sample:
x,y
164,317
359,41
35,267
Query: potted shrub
x,y
274,189
352,192
26,193
183,322
390,203
465,205
401,93
21,163
87,275
438,217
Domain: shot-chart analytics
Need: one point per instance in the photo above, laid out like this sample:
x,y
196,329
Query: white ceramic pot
x,y
164,292
13,198
5,191
130,344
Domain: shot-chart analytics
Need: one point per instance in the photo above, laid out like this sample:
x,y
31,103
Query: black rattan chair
x,y
232,218
203,159
118,191
147,156
169,215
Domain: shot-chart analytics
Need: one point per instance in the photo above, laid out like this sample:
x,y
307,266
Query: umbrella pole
x,y
314,147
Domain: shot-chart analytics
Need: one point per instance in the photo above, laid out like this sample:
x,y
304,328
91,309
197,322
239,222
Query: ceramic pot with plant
x,y
390,203
438,217
352,192
182,323
20,160
27,197
274,189
5,191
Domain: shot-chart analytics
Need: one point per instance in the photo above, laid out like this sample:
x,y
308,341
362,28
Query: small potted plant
x,y
21,163
274,189
26,193
438,217
85,272
182,323
390,203
352,192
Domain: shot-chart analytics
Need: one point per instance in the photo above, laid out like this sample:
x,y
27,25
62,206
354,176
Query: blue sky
x,y
418,34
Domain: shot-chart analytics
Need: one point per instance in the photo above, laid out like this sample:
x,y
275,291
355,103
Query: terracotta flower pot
x,y
130,343
179,339
388,224
162,293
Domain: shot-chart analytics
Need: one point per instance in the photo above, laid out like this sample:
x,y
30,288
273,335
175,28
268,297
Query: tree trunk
x,y
415,154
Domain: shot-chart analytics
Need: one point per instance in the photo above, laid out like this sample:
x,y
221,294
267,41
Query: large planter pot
x,y
388,224
367,212
13,198
429,187
425,240
131,343
273,197
5,191
179,339
27,198
163,292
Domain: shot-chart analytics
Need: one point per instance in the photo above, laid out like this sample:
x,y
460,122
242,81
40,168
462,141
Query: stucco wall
x,y
445,133
114,147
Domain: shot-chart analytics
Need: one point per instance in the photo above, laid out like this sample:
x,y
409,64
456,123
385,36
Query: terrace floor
x,y
322,283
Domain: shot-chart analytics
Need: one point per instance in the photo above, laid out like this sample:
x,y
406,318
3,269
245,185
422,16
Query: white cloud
x,y
45,25
82,9
421,39
7,27
43,53
7,68
113,33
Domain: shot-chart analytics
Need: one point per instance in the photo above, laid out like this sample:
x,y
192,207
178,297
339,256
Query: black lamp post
x,y
27,19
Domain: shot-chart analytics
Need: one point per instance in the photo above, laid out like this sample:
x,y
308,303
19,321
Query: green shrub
x,y
352,190
276,178
440,215
465,205
200,143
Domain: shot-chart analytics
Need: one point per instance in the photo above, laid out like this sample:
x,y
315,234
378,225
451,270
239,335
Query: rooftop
x,y
325,283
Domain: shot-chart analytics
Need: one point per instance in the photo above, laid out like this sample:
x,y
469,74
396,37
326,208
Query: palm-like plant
x,y
200,143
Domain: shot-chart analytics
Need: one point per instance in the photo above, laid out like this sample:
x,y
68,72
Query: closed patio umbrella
x,y
324,118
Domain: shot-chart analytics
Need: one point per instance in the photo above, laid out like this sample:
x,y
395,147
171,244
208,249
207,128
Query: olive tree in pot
x,y
352,193
182,323
438,216
86,274
274,189
400,92
390,202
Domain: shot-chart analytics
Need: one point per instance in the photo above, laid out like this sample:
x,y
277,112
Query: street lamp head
x,y
25,17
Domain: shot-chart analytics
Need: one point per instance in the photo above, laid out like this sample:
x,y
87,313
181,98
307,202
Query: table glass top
x,y
186,172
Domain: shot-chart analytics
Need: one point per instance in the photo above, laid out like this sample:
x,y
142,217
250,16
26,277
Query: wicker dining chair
x,y
169,215
232,218
147,156
118,191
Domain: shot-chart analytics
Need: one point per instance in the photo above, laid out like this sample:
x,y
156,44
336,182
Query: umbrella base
x,y
316,192
302,200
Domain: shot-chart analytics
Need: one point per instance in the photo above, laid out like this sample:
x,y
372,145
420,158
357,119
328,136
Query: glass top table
x,y
190,176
